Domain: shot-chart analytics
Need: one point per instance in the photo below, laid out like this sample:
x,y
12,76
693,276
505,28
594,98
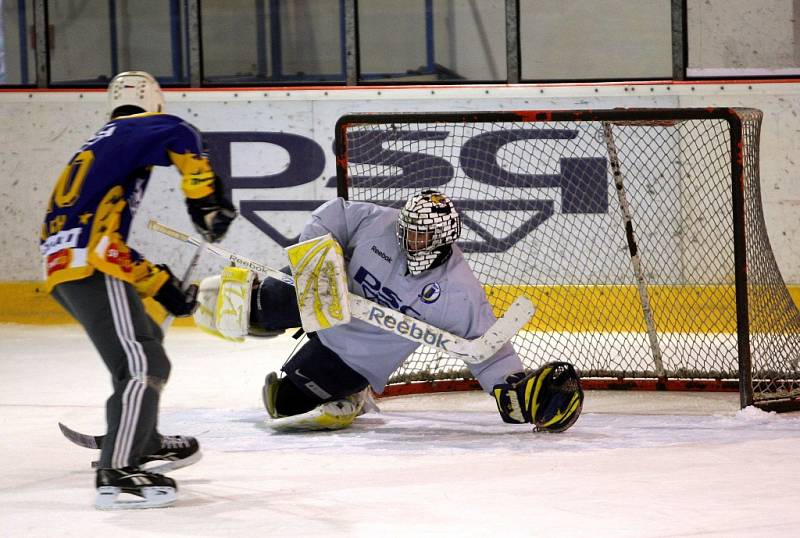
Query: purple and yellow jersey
x,y
96,197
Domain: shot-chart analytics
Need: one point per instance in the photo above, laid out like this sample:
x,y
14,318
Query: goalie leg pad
x,y
297,402
269,394
232,313
335,415
283,398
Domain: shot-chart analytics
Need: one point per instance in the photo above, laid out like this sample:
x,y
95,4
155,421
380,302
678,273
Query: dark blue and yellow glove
x,y
550,398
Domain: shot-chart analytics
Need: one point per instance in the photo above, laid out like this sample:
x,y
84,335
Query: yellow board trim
x,y
704,309
677,309
28,303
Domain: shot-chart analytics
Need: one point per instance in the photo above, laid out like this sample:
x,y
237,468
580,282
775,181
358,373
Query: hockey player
x,y
406,260
100,280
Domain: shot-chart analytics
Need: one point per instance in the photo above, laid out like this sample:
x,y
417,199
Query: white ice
x,y
636,464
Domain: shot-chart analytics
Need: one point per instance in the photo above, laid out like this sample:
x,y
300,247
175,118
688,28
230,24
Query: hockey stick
x,y
633,249
470,351
155,465
82,439
185,282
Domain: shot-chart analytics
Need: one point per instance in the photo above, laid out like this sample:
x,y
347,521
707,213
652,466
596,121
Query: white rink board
x,y
42,129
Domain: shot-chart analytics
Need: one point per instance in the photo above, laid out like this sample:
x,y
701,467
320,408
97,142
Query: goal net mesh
x,y
544,217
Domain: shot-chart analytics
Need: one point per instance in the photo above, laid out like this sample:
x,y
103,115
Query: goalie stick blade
x,y
518,314
81,439
515,318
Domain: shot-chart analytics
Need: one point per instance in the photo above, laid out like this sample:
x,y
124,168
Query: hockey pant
x,y
314,374
130,344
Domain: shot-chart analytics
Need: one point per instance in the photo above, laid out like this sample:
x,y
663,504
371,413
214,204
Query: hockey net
x,y
638,234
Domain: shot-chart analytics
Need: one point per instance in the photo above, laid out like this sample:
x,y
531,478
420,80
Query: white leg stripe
x,y
131,405
122,444
137,368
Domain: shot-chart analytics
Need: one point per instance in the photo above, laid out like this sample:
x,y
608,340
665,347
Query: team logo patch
x,y
430,293
58,261
438,200
119,255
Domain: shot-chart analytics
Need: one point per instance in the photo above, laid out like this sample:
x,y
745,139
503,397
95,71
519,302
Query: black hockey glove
x,y
177,301
551,398
511,400
213,214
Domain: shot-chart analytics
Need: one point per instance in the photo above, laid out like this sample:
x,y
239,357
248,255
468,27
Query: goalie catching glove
x,y
212,214
550,398
224,309
177,301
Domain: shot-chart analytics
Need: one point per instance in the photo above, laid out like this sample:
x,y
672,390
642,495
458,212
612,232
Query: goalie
x,y
406,260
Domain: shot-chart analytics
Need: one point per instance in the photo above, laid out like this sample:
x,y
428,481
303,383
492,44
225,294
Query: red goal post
x,y
638,233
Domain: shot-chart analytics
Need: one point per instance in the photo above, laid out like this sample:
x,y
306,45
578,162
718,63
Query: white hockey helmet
x,y
135,89
428,224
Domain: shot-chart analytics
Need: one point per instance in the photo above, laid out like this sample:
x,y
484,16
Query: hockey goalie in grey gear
x,y
406,260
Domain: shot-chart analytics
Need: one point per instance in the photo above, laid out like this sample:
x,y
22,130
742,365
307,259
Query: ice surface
x,y
636,464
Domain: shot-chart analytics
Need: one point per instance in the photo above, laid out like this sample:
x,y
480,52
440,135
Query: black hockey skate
x,y
139,489
176,451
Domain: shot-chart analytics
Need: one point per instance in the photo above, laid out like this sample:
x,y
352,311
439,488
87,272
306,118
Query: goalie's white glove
x,y
224,303
551,398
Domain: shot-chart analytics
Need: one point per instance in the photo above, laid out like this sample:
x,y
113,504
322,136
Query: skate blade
x,y
152,497
162,467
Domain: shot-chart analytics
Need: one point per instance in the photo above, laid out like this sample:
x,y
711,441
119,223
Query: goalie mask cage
x,y
638,234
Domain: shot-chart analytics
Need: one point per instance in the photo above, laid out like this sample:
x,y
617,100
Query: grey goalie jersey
x,y
448,296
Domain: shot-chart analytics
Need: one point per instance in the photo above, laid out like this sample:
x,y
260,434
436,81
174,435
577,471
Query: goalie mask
x,y
557,397
427,227
134,90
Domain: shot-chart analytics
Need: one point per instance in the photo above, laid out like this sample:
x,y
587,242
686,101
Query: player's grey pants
x,y
129,341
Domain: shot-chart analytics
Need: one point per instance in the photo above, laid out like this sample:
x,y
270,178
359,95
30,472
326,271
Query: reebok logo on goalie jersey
x,y
382,254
